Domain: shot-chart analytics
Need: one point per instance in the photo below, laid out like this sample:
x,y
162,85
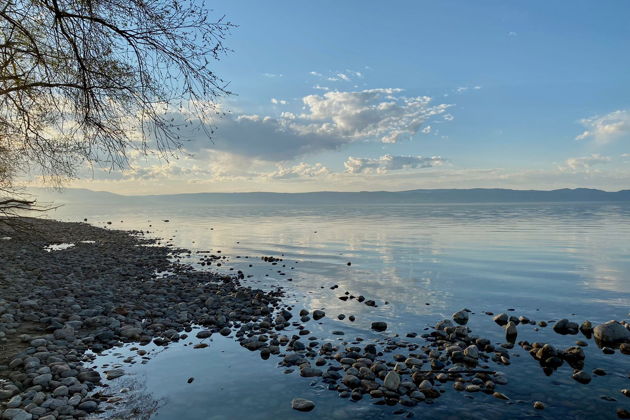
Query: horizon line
x,y
52,189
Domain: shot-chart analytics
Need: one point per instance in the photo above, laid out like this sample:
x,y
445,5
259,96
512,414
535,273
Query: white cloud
x,y
278,101
463,89
584,163
371,113
272,75
336,76
327,122
388,163
301,170
607,128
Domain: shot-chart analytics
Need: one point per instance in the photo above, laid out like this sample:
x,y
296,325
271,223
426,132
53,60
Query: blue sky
x,y
357,95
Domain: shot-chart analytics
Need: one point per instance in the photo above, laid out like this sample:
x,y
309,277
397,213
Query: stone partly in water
x,y
500,395
611,332
510,331
318,314
564,326
582,377
501,319
302,404
379,326
114,373
461,317
538,405
392,381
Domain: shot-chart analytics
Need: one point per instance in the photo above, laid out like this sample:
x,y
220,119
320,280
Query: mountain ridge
x,y
444,195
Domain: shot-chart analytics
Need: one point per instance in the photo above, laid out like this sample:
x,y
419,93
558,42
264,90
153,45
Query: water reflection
x,y
548,261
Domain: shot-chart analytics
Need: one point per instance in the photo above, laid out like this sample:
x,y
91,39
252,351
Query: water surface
x,y
420,263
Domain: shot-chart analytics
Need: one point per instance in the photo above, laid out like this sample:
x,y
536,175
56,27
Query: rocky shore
x,y
105,288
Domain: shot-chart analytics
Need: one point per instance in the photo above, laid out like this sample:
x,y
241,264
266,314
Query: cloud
x,y
301,170
272,75
278,101
607,128
463,89
373,113
327,122
388,163
339,76
583,164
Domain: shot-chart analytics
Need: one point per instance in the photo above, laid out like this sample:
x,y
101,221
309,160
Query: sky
x,y
398,95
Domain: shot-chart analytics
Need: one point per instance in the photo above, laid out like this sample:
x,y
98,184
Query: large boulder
x,y
611,332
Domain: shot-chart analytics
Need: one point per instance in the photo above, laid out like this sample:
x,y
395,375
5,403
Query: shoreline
x,y
95,295
105,291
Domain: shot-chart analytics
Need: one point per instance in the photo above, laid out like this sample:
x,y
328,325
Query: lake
x,y
420,264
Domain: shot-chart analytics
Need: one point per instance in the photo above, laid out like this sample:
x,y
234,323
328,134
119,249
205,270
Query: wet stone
x,y
379,326
582,377
392,381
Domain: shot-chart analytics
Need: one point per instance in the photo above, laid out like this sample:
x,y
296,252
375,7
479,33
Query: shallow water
x,y
546,261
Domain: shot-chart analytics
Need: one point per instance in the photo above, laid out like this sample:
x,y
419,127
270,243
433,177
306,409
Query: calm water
x,y
546,261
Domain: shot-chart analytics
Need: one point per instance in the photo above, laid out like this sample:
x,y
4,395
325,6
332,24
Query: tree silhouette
x,y
86,81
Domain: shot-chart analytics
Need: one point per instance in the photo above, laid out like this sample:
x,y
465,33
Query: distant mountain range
x,y
476,195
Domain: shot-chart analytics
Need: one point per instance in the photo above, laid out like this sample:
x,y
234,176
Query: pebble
x,y
392,381
461,317
510,331
501,319
301,404
114,373
379,326
582,377
318,314
16,414
611,332
500,395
